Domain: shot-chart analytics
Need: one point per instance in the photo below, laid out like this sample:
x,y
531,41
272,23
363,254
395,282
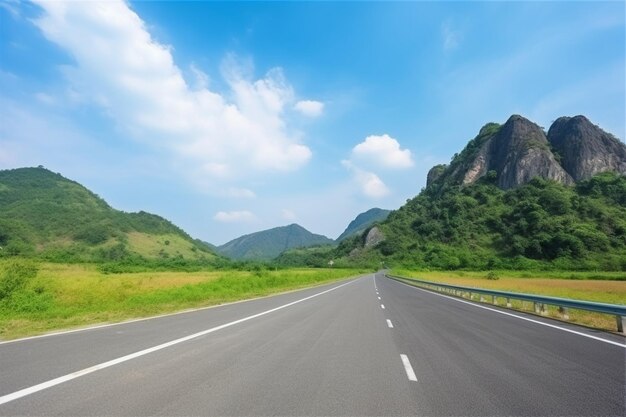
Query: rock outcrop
x,y
518,151
373,237
585,149
434,173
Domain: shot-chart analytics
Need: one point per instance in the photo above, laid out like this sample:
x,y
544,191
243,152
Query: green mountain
x,y
363,221
506,202
312,257
45,214
268,244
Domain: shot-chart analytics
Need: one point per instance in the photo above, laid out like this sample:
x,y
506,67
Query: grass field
x,y
609,290
69,295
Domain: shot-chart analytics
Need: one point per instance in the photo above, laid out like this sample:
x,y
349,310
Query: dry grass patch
x,y
603,291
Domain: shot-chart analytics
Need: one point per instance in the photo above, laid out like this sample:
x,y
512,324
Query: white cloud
x,y
45,98
451,37
240,193
383,151
310,108
288,215
121,67
369,183
11,6
242,216
201,78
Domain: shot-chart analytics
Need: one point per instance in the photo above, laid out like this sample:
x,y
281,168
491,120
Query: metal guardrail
x,y
540,302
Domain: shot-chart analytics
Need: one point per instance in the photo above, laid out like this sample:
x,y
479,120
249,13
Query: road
x,y
331,350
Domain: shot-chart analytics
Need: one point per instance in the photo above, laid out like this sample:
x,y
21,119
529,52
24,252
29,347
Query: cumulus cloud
x,y
242,216
122,68
383,151
369,183
310,108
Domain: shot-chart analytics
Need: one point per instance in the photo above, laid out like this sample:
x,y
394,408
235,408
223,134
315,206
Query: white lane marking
x,y
191,310
519,317
389,324
382,306
379,298
408,368
56,381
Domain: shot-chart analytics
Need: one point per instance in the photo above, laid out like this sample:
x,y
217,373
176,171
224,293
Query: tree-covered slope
x,y
363,221
268,244
45,214
541,224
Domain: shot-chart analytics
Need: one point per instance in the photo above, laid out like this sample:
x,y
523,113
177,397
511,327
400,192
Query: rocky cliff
x,y
585,149
519,152
516,152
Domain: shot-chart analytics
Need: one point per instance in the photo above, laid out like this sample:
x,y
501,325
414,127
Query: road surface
x,y
368,346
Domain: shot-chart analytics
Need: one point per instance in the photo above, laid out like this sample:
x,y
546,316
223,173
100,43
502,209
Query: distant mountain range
x,y
268,244
45,214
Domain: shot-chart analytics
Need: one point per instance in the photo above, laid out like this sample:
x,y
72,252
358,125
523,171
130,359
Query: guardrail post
x,y
530,301
621,323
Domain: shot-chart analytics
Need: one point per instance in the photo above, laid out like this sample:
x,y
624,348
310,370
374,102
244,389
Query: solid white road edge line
x,y
176,313
389,324
408,368
56,381
519,317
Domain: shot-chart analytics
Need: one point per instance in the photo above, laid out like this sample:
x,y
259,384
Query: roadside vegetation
x,y
40,297
603,287
540,226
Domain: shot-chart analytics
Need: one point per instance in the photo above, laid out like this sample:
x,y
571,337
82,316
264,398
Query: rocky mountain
x,y
268,244
363,221
514,153
584,149
513,198
46,214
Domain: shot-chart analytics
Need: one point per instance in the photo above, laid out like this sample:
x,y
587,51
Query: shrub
x,y
16,276
492,276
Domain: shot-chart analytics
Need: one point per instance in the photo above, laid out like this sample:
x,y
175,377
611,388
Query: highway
x,y
366,346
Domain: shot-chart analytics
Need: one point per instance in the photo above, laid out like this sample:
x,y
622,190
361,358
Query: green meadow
x,y
40,297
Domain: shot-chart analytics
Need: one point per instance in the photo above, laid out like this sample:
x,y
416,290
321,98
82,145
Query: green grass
x,y
63,296
604,287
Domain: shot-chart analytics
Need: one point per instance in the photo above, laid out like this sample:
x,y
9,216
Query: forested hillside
x,y
268,244
542,224
47,215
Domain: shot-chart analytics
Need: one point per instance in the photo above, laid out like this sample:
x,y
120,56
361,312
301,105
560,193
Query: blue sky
x,y
232,117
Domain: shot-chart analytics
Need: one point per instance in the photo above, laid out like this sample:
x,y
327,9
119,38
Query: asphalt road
x,y
331,350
